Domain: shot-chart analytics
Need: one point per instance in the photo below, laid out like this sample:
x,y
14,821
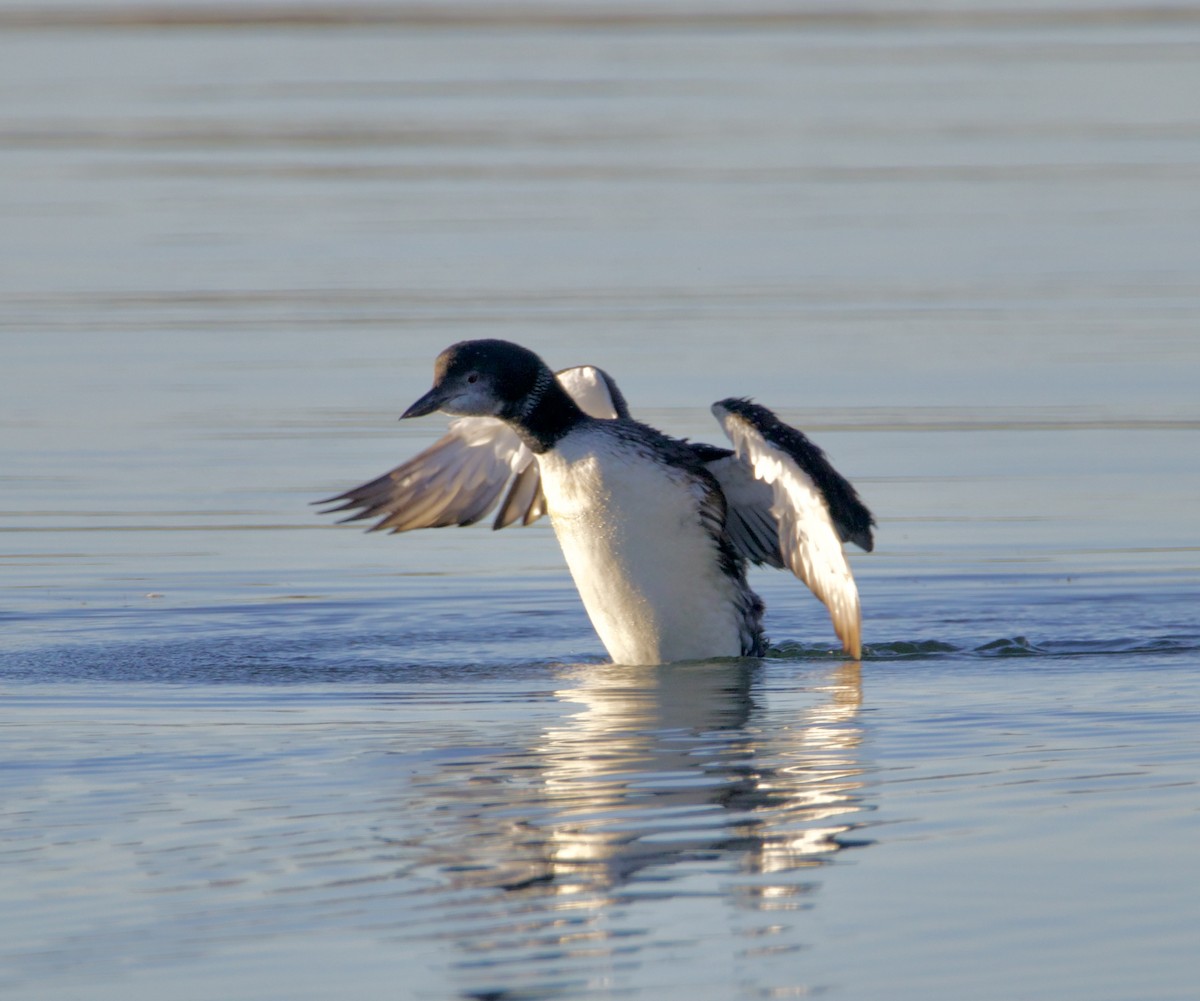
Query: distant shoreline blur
x,y
203,13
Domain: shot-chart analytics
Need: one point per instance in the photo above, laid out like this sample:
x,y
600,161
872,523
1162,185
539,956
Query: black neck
x,y
545,415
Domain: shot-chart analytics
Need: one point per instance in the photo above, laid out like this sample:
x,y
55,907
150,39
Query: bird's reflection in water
x,y
686,781
667,765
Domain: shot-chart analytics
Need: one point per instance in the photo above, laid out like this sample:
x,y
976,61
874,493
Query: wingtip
x,y
863,538
850,633
730,405
847,622
340,504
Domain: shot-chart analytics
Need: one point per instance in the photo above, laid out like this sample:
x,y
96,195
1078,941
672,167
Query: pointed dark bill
x,y
427,404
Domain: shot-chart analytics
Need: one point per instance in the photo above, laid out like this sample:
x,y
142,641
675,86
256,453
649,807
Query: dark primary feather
x,y
749,521
850,515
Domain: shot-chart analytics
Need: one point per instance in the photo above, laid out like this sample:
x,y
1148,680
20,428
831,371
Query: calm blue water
x,y
248,754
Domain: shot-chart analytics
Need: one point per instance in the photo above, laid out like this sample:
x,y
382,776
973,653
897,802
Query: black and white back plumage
x,y
621,496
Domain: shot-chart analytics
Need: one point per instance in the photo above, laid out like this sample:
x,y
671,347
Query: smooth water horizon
x,y
248,753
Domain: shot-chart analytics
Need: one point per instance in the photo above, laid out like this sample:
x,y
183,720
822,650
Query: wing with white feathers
x,y
461,476
594,391
814,509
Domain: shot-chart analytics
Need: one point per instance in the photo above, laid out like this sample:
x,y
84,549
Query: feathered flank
x,y
807,491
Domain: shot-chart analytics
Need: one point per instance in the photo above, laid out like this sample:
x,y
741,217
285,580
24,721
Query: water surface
x,y
248,754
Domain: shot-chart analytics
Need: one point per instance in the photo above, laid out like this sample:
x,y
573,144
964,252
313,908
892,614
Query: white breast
x,y
645,567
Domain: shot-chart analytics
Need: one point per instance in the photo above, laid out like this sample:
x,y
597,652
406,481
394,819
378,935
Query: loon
x,y
657,531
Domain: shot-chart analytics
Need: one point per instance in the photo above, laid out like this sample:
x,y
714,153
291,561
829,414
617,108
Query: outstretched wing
x,y
461,476
456,481
814,509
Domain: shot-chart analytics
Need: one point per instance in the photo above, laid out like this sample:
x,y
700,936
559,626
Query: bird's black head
x,y
485,378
